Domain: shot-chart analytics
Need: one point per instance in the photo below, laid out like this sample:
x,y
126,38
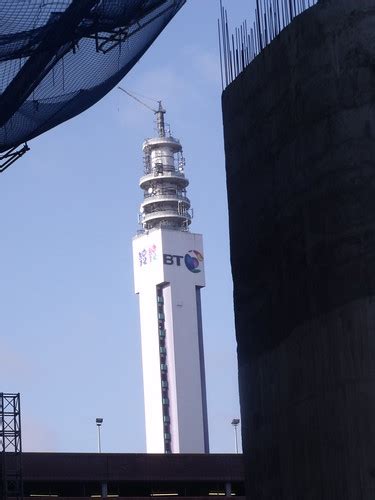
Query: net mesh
x,y
105,44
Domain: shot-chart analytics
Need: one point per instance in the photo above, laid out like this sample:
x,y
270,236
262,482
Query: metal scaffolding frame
x,y
10,447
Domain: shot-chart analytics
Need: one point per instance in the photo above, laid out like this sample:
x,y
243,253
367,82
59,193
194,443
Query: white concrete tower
x,y
169,274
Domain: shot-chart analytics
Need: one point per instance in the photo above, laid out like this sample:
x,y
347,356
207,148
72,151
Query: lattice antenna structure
x,y
11,447
165,203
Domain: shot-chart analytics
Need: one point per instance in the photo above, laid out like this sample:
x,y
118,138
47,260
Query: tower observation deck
x,y
164,183
168,275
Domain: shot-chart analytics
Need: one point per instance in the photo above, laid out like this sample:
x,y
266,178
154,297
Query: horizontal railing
x,y
160,214
173,174
165,197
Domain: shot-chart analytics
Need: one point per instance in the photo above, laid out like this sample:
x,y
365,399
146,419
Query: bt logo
x,y
169,260
193,260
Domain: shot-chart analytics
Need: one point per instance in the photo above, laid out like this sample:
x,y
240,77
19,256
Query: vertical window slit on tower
x,y
163,371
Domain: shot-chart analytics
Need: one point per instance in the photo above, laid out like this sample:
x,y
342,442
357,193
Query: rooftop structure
x,y
76,476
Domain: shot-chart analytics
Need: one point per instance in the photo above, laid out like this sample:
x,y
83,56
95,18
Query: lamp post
x,y
235,423
99,422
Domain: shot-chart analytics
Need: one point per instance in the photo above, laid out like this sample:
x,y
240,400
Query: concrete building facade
x,y
299,126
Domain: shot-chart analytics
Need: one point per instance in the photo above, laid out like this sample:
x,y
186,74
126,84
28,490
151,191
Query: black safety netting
x,y
59,57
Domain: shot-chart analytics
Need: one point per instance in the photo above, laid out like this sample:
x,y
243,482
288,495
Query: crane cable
x,y
138,100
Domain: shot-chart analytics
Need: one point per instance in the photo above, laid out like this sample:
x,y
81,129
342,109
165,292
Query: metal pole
x,y
99,422
236,439
2,450
99,441
235,423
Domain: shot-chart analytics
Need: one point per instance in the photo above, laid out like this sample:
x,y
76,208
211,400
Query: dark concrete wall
x,y
299,128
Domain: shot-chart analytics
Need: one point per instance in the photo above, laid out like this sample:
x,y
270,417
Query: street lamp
x,y
99,422
235,423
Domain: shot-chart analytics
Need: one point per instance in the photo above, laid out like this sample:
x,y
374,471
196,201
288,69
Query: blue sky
x,y
70,341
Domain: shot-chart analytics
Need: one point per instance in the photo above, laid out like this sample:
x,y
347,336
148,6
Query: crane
x,y
160,112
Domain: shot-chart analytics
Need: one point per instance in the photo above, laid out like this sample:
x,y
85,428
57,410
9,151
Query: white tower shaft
x,y
172,344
